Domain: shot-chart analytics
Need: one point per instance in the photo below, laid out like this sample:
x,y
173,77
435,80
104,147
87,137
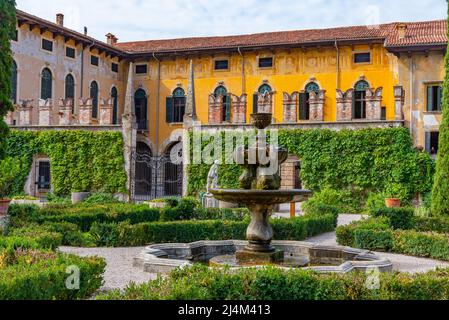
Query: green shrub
x,y
46,279
269,283
125,234
432,224
43,238
400,218
184,210
101,198
375,201
343,201
346,234
373,239
420,244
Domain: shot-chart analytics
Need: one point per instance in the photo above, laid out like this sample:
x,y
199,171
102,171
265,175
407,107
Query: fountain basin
x,y
261,197
163,258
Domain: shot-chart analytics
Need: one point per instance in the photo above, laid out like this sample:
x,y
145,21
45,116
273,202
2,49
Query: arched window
x,y
176,106
140,102
94,96
264,89
226,103
359,100
46,84
304,100
69,87
114,96
14,82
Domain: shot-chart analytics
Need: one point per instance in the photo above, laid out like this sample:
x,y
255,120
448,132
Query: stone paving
x,y
120,271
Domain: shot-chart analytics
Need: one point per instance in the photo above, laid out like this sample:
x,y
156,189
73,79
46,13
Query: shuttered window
x,y
434,97
14,82
94,96
176,106
226,103
114,96
46,84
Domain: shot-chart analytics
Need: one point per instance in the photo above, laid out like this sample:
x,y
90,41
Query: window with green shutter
x,y
179,105
226,102
304,110
169,118
94,96
359,100
46,84
434,97
114,96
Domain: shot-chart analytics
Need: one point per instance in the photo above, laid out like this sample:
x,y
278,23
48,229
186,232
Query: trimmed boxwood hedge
x,y
125,234
269,283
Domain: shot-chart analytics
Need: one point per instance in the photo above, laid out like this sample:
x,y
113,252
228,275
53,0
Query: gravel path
x,y
120,271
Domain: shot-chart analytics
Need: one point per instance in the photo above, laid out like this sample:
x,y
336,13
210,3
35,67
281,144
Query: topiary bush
x,y
378,240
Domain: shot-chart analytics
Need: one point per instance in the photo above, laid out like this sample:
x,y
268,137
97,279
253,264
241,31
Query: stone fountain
x,y
260,191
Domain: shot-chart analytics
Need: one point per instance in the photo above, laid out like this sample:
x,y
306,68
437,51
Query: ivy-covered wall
x,y
80,160
363,161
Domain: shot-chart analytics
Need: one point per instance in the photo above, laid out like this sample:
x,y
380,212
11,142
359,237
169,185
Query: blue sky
x,y
133,20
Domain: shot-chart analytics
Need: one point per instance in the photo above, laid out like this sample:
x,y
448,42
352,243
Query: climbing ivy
x,y
360,161
80,160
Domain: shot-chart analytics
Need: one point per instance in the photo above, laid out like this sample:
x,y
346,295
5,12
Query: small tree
x,y
8,22
440,194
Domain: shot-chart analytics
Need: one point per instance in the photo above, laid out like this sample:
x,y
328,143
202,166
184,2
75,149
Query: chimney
x,y
85,31
111,39
402,29
60,19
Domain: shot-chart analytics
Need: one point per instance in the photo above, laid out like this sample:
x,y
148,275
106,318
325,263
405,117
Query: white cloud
x,y
134,20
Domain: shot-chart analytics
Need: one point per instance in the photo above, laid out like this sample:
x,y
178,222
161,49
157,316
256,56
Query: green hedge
x,y
46,279
80,160
125,234
375,234
202,283
400,218
357,161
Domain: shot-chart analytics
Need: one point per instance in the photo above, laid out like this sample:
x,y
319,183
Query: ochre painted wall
x,y
291,72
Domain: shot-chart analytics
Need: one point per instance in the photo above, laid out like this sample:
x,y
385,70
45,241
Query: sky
x,y
134,20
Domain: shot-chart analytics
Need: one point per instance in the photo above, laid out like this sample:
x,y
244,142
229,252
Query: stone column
x,y
239,109
399,98
374,104
215,109
45,112
65,107
25,112
316,104
344,105
106,106
290,107
85,112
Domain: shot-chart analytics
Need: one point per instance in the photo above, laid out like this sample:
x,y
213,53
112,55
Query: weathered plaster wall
x,y
31,59
427,69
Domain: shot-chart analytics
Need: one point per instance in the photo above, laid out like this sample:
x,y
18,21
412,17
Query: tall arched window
x,y
266,104
226,103
94,96
179,105
46,84
14,82
304,100
69,87
359,100
140,102
114,96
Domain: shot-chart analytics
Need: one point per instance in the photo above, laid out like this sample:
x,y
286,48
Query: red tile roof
x,y
418,33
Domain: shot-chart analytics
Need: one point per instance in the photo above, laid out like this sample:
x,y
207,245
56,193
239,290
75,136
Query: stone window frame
x,y
267,56
354,52
141,74
53,85
47,38
360,79
98,98
65,52
426,85
74,85
221,59
33,175
90,60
